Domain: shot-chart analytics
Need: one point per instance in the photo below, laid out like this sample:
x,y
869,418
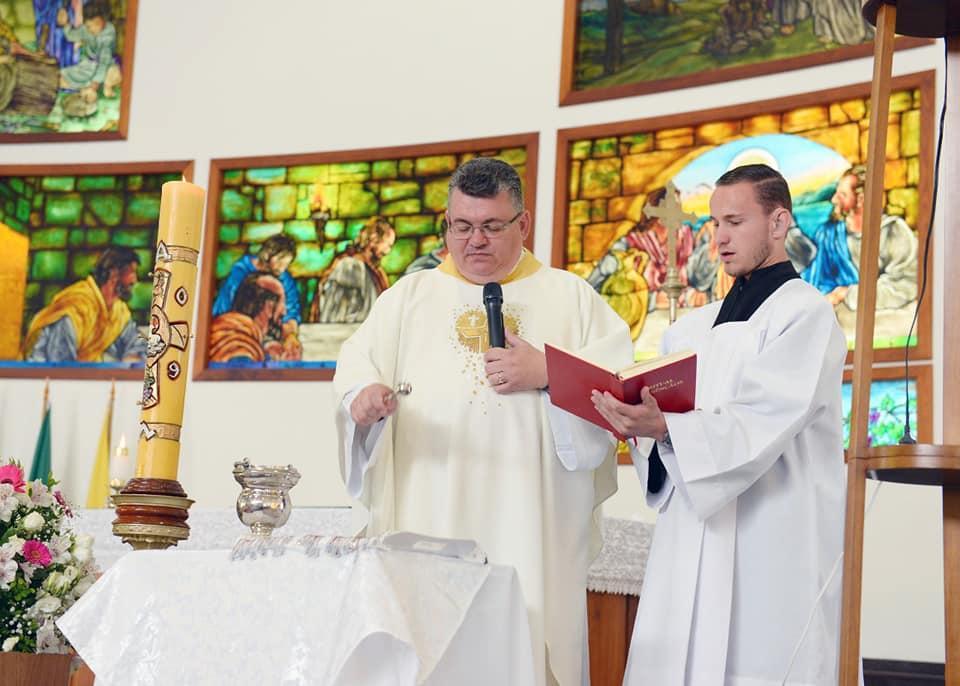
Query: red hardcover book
x,y
672,379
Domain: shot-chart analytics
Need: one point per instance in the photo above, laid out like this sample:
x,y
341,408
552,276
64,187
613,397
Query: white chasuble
x,y
752,510
459,460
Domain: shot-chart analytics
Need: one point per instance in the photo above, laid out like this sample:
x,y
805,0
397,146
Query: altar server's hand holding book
x,y
671,379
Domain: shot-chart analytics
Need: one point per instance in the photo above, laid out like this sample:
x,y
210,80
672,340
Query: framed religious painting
x,y
898,398
331,231
66,67
619,48
612,179
77,245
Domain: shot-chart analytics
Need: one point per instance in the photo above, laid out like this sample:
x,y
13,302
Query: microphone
x,y
493,302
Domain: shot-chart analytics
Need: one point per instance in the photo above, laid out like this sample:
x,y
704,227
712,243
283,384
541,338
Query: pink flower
x,y
36,553
12,474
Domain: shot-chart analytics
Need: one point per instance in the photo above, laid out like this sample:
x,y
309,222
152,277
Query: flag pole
x,y
110,405
46,397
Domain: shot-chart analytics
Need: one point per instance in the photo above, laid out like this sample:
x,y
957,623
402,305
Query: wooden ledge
x,y
921,463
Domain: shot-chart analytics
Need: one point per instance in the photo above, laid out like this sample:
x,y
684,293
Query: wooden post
x,y
863,349
949,208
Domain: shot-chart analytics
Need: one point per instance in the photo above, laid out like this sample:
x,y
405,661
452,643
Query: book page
x,y
647,365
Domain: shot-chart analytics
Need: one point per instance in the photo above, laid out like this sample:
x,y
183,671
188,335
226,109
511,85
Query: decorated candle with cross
x,y
168,338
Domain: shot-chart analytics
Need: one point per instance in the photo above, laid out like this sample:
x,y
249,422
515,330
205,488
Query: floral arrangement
x,y
44,567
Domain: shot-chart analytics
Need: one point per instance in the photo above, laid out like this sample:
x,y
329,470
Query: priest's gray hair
x,y
769,185
487,177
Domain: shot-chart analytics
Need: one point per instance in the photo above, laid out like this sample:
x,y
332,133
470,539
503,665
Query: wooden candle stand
x,y
931,465
152,513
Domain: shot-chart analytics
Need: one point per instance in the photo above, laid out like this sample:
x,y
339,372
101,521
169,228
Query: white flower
x,y
23,499
8,572
8,502
47,639
58,583
15,543
28,570
83,541
8,566
83,585
33,522
10,643
59,547
55,584
7,507
82,555
46,604
40,494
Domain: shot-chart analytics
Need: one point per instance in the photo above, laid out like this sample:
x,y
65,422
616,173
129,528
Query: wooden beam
x,y
863,347
949,208
870,240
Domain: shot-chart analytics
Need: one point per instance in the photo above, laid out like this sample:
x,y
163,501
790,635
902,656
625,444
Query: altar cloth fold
x,y
372,617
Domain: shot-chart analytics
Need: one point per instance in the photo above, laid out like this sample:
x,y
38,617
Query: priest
x,y
749,485
476,450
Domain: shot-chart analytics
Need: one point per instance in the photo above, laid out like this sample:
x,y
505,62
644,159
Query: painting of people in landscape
x,y
76,249
617,177
617,48
65,68
298,248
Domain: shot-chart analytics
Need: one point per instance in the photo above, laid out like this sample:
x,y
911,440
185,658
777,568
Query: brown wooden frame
x,y
569,96
184,167
924,81
126,92
921,425
211,233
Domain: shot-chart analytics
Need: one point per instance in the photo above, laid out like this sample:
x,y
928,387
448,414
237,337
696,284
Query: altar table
x,y
370,617
613,582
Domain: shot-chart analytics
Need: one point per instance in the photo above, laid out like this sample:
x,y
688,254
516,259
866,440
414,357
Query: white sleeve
x,y
581,446
358,445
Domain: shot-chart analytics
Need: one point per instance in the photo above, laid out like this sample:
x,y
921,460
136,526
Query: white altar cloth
x,y
384,618
619,568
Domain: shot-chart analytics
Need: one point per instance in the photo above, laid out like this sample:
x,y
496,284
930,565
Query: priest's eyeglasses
x,y
462,230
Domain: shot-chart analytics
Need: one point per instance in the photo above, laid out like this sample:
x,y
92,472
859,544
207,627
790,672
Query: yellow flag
x,y
99,490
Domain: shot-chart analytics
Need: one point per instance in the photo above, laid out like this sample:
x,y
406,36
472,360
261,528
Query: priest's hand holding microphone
x,y
511,365
519,367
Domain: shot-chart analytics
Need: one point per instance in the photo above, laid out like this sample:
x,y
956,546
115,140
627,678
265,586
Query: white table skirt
x,y
372,617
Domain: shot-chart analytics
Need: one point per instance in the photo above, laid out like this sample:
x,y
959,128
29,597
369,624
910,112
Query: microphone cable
x,y
907,439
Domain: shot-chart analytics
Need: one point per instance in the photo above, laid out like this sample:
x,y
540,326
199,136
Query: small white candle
x,y
122,466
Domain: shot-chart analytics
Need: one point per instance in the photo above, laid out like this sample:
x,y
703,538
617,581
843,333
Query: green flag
x,y
40,468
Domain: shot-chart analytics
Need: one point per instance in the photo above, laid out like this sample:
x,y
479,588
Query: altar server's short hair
x,y
768,184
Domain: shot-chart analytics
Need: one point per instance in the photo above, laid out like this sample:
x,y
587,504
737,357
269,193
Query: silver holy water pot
x,y
264,500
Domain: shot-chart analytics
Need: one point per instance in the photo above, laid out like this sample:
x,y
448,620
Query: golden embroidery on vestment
x,y
470,338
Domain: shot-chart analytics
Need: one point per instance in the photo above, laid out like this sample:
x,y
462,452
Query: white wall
x,y
227,78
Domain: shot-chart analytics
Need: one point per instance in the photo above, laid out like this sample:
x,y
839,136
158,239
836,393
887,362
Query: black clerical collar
x,y
747,295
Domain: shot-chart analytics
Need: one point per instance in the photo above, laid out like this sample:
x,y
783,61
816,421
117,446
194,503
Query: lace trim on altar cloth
x,y
620,566
315,545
